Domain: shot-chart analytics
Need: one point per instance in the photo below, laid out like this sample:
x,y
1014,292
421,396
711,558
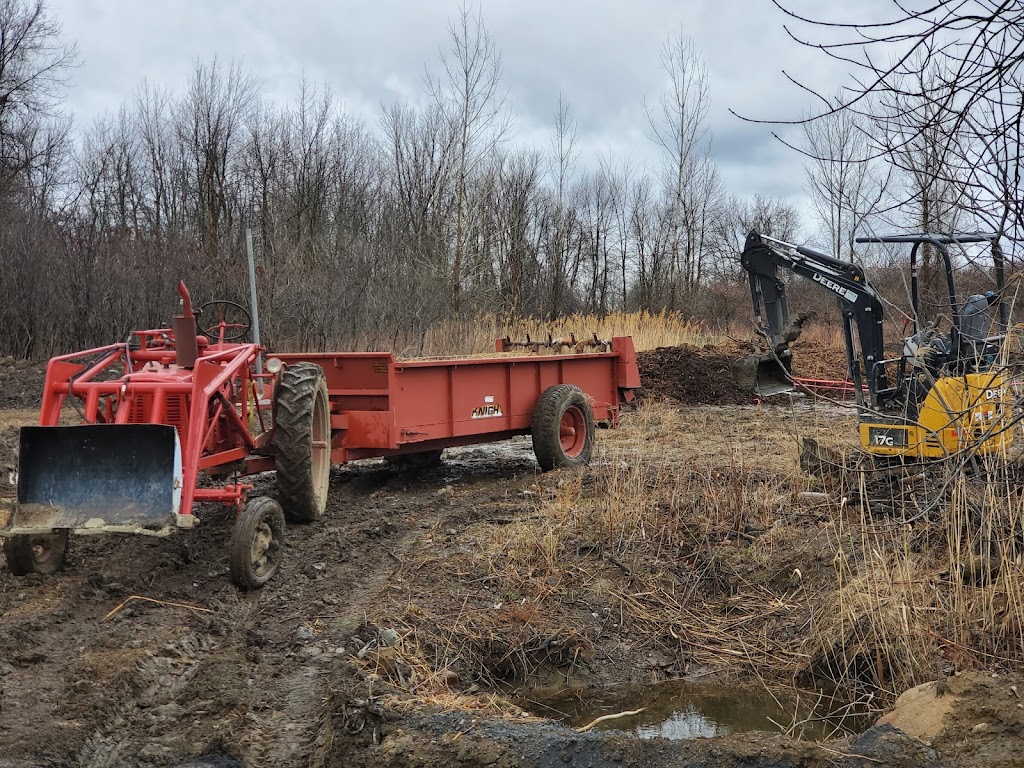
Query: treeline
x,y
435,210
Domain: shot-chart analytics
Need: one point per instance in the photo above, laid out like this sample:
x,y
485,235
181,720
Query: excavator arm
x,y
762,258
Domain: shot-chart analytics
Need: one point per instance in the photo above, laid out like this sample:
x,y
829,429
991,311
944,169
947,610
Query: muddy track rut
x,y
240,675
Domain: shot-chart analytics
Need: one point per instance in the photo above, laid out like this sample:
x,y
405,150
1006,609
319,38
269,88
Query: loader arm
x,y
763,257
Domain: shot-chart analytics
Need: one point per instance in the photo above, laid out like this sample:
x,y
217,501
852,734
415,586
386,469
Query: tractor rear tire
x,y
256,543
36,553
302,442
563,427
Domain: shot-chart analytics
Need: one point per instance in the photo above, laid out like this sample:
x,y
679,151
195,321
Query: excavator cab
x,y
943,393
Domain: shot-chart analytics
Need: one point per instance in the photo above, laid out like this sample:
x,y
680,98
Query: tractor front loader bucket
x,y
121,478
764,373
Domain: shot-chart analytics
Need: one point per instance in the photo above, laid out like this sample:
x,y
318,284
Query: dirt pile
x,y
21,382
693,375
703,375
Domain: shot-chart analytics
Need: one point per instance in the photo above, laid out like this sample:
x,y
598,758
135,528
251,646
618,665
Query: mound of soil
x,y
703,375
693,375
819,360
21,382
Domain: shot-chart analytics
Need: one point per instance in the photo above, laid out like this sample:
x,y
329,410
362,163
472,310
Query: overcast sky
x,y
602,55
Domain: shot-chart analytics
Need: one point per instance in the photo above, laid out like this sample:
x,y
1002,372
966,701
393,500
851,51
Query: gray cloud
x,y
602,56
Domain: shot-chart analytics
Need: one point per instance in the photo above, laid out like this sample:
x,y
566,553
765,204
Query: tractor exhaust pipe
x,y
185,331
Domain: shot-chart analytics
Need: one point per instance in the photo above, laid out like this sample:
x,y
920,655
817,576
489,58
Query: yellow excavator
x,y
945,393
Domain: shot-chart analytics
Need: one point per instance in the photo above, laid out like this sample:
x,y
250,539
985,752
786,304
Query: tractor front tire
x,y
302,442
256,543
37,553
563,427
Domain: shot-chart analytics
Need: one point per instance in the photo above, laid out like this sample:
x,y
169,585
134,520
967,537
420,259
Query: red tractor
x,y
168,418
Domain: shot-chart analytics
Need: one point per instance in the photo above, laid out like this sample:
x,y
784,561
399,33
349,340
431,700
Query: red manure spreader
x,y
174,416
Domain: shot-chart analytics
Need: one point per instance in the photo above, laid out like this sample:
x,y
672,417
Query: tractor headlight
x,y
274,365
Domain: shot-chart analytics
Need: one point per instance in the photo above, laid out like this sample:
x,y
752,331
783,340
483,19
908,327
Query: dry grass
x,y
661,540
920,600
687,537
712,557
468,337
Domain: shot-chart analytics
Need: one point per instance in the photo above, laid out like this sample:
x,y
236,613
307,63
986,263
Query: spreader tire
x,y
563,427
256,543
38,553
302,442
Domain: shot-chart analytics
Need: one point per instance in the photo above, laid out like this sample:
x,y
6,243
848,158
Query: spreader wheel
x,y
256,543
302,442
563,427
36,553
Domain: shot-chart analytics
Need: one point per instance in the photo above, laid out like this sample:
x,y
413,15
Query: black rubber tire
x,y
39,553
419,460
562,402
256,543
302,442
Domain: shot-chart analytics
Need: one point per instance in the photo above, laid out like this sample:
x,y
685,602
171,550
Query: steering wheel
x,y
231,319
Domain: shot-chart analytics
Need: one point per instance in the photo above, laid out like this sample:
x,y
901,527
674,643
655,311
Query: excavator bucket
x,y
122,478
764,373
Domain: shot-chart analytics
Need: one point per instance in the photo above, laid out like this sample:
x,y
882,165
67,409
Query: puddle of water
x,y
685,710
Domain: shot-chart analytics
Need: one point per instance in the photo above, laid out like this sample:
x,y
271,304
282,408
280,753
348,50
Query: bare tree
x,y
210,127
847,187
34,67
469,95
679,126
564,155
953,66
767,215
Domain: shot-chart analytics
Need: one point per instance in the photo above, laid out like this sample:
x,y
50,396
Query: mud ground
x,y
386,637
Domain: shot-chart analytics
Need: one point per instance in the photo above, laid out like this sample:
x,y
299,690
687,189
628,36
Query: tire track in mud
x,y
381,515
159,686
160,678
300,732
289,720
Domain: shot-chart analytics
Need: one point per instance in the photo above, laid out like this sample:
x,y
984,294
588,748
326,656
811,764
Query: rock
x,y
919,712
980,728
304,633
448,677
154,751
659,660
886,745
389,638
